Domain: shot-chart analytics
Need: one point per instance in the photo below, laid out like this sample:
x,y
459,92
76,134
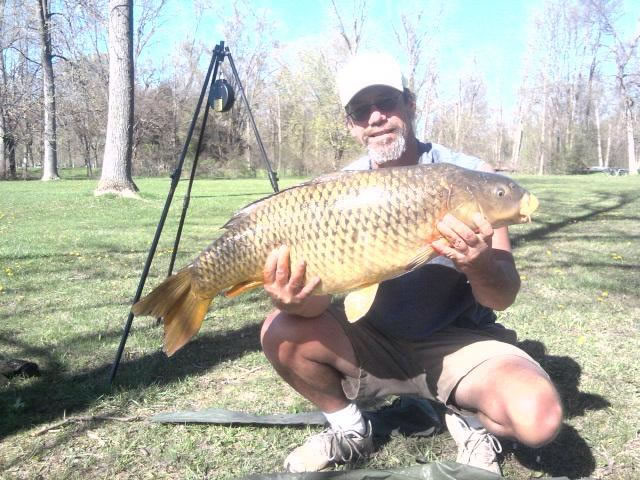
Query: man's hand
x,y
286,286
468,249
484,256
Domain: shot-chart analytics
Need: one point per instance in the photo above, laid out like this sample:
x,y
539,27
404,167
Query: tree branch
x,y
24,55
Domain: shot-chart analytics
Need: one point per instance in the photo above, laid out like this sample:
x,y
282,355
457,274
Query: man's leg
x,y
512,397
313,355
502,390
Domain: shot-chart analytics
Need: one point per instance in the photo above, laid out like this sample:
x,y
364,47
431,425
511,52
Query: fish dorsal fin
x,y
241,214
424,254
330,177
242,287
358,302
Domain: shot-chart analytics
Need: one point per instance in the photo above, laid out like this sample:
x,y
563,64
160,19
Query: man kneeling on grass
x,y
430,332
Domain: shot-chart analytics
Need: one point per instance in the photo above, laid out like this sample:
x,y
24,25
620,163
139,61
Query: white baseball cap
x,y
365,70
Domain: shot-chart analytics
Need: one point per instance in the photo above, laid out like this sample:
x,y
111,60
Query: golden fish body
x,y
353,229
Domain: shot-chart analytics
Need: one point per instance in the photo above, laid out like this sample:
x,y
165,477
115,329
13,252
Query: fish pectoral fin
x,y
242,287
425,254
358,302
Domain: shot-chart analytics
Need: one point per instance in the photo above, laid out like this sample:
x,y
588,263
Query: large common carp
x,y
353,230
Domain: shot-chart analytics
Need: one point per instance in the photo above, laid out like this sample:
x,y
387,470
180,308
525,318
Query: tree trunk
x,y
50,162
247,151
279,126
569,134
598,135
458,119
499,140
25,163
116,163
517,145
631,145
608,151
3,161
3,77
10,143
543,130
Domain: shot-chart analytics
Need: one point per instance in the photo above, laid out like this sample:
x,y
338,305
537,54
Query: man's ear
x,y
411,105
348,123
409,99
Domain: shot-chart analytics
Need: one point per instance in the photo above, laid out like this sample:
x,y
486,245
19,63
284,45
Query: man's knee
x,y
532,404
515,393
288,339
278,343
537,417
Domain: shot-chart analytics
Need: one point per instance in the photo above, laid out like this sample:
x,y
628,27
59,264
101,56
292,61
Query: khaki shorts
x,y
429,368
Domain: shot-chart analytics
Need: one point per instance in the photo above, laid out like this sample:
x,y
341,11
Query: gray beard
x,y
382,154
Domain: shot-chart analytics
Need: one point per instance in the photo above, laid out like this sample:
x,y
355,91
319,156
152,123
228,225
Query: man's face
x,y
381,121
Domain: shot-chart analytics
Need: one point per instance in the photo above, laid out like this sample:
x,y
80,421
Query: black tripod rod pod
x,y
219,52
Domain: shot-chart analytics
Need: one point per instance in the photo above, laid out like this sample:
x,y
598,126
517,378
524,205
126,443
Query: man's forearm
x,y
497,284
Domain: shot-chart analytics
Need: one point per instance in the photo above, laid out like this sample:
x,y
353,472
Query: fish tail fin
x,y
181,307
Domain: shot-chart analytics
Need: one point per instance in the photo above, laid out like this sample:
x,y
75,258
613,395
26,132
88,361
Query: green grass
x,y
69,267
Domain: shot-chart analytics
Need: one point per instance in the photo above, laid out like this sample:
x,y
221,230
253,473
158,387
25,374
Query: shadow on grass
x,y
46,397
569,454
551,227
40,400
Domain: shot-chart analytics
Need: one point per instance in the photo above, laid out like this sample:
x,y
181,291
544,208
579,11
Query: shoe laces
x,y
345,446
479,438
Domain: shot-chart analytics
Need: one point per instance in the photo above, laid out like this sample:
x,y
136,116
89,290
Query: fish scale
x,y
353,229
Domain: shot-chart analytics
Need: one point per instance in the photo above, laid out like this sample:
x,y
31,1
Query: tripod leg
x,y
273,177
187,196
175,178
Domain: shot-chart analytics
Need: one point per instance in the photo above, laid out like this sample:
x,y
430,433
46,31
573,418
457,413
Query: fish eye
x,y
500,192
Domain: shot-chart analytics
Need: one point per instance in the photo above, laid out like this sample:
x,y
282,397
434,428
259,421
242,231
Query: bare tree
x,y
50,163
350,29
3,95
624,52
116,165
417,35
543,128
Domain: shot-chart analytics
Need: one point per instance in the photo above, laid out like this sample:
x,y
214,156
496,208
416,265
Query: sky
x,y
491,33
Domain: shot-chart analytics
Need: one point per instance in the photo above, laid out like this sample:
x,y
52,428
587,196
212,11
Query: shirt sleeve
x,y
440,154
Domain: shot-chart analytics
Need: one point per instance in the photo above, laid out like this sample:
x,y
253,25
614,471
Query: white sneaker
x,y
476,446
329,448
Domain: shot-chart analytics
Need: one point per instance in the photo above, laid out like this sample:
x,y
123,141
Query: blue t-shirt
x,y
418,303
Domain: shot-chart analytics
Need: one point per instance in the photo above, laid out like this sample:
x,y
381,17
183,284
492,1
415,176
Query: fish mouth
x,y
528,205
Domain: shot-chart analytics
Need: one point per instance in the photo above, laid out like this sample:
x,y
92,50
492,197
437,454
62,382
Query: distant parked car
x,y
619,171
610,170
597,169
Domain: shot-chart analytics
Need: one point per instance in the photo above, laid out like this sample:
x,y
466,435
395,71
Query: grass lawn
x,y
69,267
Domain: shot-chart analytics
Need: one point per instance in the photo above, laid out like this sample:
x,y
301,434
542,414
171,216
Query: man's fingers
x,y
484,227
443,247
448,231
309,287
282,270
458,234
296,282
439,245
269,272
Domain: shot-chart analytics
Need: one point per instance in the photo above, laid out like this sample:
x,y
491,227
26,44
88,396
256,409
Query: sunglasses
x,y
360,113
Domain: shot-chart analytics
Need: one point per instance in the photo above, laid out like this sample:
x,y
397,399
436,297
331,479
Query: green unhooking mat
x,y
431,471
406,416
